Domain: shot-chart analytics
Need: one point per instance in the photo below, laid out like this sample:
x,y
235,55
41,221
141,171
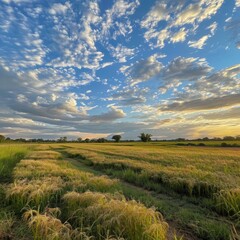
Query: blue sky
x,y
97,68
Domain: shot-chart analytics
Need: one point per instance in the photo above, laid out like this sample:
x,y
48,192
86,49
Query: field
x,y
132,191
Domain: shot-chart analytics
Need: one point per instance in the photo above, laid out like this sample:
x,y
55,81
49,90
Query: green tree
x,y
62,139
116,137
145,137
2,138
79,139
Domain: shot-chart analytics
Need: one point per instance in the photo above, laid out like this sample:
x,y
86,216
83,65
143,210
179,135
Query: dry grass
x,y
42,182
47,226
35,193
193,171
107,214
45,154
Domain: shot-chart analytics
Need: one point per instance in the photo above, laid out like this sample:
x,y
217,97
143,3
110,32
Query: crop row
x,y
225,197
45,185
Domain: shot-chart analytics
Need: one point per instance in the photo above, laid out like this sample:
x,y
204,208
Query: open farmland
x,y
120,191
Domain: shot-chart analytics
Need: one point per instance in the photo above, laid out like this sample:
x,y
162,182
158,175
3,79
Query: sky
x,y
96,68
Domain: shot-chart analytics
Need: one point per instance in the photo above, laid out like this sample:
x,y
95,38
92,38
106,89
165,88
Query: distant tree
x,y
2,138
79,139
238,137
228,138
62,139
101,140
116,137
87,140
145,137
180,139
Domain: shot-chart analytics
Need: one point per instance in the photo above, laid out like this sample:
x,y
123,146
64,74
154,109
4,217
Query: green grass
x,y
10,226
10,155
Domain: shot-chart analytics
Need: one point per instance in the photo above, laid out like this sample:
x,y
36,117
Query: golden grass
x,y
36,193
41,180
116,216
47,226
45,154
194,171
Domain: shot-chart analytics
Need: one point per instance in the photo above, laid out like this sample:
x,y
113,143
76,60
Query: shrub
x,y
224,144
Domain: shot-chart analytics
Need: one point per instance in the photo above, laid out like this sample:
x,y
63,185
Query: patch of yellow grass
x,y
107,214
47,226
45,154
35,193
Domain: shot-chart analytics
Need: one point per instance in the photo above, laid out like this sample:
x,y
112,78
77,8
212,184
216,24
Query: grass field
x,y
119,191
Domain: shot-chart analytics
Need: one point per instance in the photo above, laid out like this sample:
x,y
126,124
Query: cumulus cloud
x,y
121,52
58,8
157,13
176,16
199,43
179,36
144,70
120,8
130,97
196,13
113,114
189,69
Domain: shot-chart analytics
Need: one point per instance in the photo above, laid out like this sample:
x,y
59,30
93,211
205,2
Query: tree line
x,y
144,137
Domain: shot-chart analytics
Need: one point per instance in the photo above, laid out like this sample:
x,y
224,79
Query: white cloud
x,y
121,8
189,15
212,28
175,16
121,52
157,13
237,3
196,13
113,114
58,8
199,43
179,36
144,70
188,69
